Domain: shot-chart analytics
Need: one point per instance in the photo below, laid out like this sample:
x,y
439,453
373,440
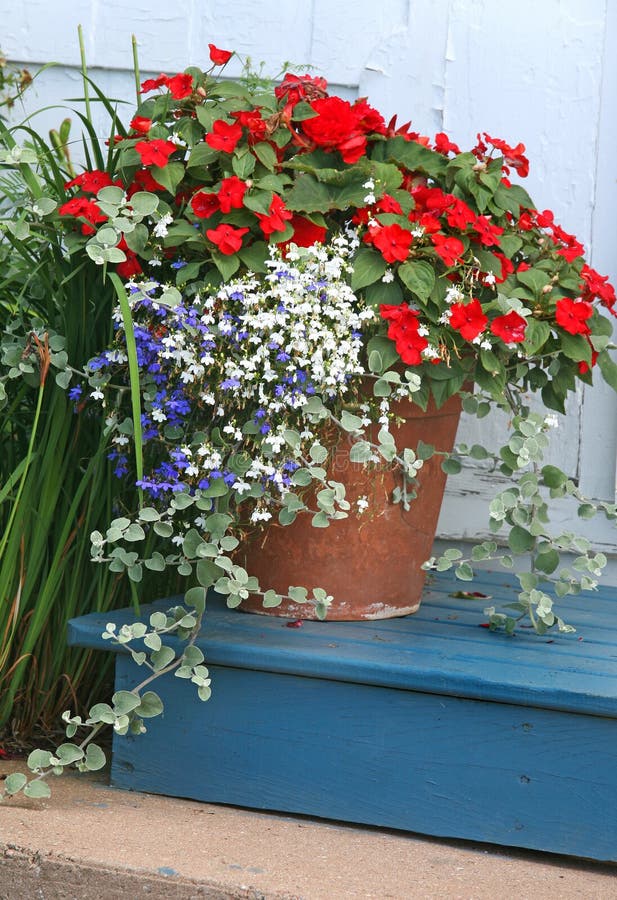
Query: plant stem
x,y
84,71
136,69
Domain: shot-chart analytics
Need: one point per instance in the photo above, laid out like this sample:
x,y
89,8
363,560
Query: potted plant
x,y
298,280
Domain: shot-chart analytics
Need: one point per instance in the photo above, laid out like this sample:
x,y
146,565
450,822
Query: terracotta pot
x,y
370,563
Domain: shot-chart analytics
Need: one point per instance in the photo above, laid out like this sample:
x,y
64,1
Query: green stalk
x,y
131,350
22,480
136,69
84,70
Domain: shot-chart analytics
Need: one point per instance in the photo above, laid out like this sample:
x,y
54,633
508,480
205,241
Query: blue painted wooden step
x,y
428,723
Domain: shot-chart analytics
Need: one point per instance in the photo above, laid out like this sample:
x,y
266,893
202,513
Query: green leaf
x,y
320,520
143,202
158,620
151,705
161,658
536,335
271,599
547,562
37,790
464,572
207,572
576,347
520,540
368,267
451,466
124,702
169,176
14,783
297,594
95,758
265,154
39,759
419,277
608,367
69,753
553,477
196,598
350,422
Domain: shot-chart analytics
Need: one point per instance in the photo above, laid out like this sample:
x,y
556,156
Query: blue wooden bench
x,y
428,723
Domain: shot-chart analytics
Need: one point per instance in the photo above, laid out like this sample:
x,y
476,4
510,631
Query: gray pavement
x,y
91,842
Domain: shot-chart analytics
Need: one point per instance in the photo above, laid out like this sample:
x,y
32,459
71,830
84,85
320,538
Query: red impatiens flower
x,y
596,285
510,328
489,233
205,205
180,86
572,315
131,265
336,127
388,204
277,217
507,267
512,155
151,84
404,330
219,57
231,193
392,240
459,215
468,319
82,208
156,152
90,182
224,136
584,367
450,249
141,124
227,238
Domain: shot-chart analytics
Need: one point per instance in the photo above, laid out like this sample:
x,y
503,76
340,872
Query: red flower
x,y
596,285
572,315
227,238
306,233
404,331
512,155
510,328
276,218
468,319
131,265
392,240
224,136
444,145
151,84
141,124
489,233
584,367
368,118
459,215
251,120
156,152
336,127
82,208
205,205
507,267
448,248
219,57
388,204
143,180
294,88
231,193
180,86
90,182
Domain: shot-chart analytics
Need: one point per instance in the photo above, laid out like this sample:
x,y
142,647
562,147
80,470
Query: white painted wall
x,y
541,72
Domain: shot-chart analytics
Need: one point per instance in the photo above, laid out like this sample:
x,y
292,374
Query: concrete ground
x,y
91,842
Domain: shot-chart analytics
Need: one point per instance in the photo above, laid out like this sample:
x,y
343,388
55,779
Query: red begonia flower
x,y
335,127
468,319
306,233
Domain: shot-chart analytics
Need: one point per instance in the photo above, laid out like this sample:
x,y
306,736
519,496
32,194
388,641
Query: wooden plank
x,y
422,762
441,650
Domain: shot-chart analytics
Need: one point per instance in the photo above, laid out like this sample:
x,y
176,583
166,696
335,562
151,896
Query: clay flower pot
x,y
370,563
